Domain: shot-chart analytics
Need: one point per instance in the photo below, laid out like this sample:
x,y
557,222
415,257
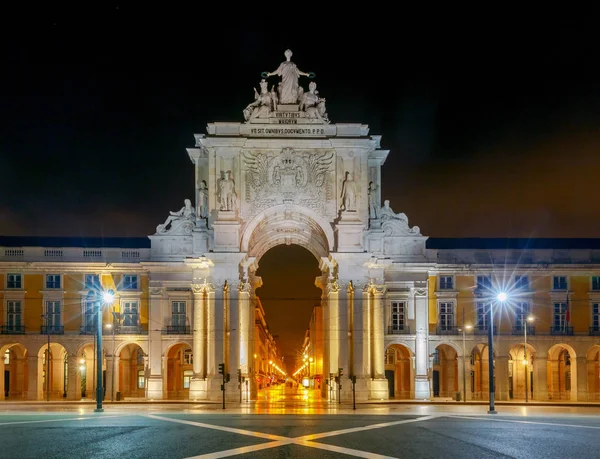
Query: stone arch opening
x,y
15,370
178,371
593,373
286,225
132,371
53,368
399,371
562,372
445,371
480,376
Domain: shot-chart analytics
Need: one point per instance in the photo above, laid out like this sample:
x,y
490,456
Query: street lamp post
x,y
500,297
47,317
107,298
464,329
529,319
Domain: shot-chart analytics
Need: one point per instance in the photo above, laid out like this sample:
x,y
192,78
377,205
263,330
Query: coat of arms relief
x,y
291,177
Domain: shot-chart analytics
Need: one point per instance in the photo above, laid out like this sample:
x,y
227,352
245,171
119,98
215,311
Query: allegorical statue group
x,y
288,92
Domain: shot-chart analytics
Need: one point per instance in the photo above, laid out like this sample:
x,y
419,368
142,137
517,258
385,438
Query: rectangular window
x,y
559,283
92,281
484,282
596,316
522,282
14,316
560,316
178,317
390,357
131,316
483,315
446,283
188,358
52,280
53,313
14,280
398,315
141,380
521,309
90,316
187,378
446,315
130,282
595,282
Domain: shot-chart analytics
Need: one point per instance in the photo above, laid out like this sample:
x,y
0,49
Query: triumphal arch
x,y
287,174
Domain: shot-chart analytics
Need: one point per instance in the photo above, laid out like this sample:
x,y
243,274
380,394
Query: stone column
x,y
379,384
582,393
245,329
154,384
344,347
73,378
215,342
421,346
2,379
540,386
333,324
232,341
501,377
34,377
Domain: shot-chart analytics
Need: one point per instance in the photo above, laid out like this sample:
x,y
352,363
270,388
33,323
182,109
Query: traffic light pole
x,y
353,378
222,371
340,373
240,381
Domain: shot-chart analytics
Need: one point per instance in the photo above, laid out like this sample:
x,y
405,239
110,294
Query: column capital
x,y
206,287
156,291
376,289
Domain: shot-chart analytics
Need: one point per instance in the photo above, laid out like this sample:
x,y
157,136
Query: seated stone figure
x,y
262,105
182,221
313,105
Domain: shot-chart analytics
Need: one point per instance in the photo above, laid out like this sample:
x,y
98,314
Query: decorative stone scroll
x,y
289,177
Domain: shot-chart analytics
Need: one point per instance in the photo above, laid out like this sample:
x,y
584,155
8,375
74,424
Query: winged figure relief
x,y
318,165
258,166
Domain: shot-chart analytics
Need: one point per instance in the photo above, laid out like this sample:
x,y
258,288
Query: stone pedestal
x,y
198,389
155,387
350,232
379,389
226,232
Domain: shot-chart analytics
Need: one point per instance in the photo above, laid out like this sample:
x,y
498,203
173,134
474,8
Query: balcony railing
x,y
447,330
399,330
129,330
12,329
561,331
177,330
52,330
88,330
483,330
595,331
520,330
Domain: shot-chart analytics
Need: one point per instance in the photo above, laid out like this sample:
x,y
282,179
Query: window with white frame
x,y
596,316
522,282
187,378
559,321
90,316
446,315
398,315
131,313
521,309
178,317
53,314
188,357
52,281
92,281
559,283
390,356
483,315
14,315
595,282
14,280
484,282
7,357
130,282
446,282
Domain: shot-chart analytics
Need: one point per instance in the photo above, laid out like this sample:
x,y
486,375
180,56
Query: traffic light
x,y
239,375
227,377
222,369
340,372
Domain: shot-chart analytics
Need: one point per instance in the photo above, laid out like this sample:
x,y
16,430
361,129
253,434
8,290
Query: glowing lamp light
x,y
502,296
108,296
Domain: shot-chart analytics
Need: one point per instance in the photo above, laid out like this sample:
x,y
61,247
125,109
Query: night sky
x,y
492,127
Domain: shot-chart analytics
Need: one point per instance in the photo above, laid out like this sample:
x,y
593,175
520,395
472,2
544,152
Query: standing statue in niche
x,y
289,73
313,104
176,219
203,200
262,105
373,200
349,193
227,195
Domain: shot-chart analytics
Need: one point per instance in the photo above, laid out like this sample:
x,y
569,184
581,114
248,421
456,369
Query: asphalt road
x,y
191,431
